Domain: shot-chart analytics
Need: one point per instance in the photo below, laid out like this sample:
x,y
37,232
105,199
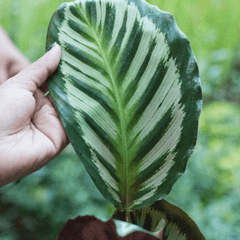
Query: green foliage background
x,y
38,206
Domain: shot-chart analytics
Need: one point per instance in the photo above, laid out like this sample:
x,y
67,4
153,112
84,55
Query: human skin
x,y
31,133
11,60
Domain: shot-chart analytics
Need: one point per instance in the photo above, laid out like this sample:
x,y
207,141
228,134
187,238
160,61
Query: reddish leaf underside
x,y
91,228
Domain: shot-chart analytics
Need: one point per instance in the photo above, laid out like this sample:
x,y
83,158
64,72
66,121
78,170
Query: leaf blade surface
x,y
128,93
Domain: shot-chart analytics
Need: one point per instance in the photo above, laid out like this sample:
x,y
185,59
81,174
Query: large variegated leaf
x,y
128,93
166,220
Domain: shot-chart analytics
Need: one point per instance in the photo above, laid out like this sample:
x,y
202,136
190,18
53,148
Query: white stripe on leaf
x,y
93,141
69,15
106,176
132,15
69,71
174,231
168,142
155,181
83,103
86,69
68,35
166,97
120,8
137,62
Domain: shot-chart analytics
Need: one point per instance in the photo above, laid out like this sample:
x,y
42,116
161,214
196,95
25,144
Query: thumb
x,y
31,77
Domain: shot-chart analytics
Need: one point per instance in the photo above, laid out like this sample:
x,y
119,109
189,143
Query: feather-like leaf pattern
x,y
128,93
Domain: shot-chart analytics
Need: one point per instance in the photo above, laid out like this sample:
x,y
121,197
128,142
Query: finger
x,y
33,76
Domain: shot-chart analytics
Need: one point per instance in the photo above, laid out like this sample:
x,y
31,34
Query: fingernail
x,y
51,46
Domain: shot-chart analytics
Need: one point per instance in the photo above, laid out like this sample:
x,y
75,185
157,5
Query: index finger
x,y
33,76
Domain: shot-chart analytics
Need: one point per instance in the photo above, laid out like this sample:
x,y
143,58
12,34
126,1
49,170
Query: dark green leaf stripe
x,y
128,93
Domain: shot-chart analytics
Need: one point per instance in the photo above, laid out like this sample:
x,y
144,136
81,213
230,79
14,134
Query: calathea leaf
x,y
166,220
124,229
128,93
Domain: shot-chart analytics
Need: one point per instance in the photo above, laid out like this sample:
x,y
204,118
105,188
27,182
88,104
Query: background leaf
x,y
91,228
163,218
128,93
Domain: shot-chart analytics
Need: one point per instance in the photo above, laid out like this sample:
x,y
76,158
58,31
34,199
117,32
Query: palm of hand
x,y
28,125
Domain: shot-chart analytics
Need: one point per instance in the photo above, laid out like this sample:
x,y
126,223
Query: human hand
x,y
31,134
11,60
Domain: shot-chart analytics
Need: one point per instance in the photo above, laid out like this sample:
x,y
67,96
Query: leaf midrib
x,y
123,132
